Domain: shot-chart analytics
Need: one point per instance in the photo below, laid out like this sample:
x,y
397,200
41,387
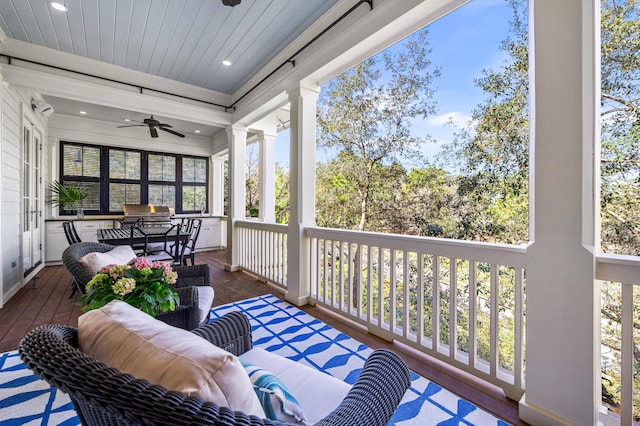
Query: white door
x,y
31,195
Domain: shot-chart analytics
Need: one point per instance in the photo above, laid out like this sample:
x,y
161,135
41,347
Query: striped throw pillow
x,y
277,402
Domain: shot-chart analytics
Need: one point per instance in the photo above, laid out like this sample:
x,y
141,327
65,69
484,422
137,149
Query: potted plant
x,y
68,197
144,284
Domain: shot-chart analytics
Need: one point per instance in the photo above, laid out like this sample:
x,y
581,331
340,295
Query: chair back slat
x,y
70,232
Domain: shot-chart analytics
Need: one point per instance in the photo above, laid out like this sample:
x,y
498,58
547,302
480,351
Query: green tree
x,y
367,114
283,198
620,158
492,154
252,180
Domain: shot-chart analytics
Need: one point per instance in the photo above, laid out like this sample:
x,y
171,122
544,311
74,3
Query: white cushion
x,y
126,338
205,300
118,256
318,393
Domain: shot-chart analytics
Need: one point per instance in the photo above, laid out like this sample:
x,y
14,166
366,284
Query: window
x,y
194,184
114,176
81,166
162,180
124,178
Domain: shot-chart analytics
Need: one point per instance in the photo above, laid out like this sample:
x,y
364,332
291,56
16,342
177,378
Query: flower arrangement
x,y
146,285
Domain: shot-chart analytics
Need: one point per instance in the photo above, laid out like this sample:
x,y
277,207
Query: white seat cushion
x,y
118,256
205,300
126,338
318,393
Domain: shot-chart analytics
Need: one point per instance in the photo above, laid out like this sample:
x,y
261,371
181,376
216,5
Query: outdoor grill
x,y
146,214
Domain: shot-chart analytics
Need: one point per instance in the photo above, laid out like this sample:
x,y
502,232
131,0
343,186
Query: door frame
x,y
28,272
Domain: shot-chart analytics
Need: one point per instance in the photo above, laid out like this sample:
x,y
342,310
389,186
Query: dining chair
x,y
186,227
188,248
167,252
72,237
70,232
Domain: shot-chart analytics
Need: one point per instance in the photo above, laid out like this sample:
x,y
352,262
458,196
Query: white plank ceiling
x,y
183,40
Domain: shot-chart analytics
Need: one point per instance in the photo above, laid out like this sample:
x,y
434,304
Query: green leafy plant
x,y
67,197
146,285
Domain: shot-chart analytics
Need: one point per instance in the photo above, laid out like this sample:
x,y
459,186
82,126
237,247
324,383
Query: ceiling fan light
x,y
58,6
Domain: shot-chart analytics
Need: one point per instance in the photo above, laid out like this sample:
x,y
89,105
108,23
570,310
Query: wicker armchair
x,y
187,315
106,396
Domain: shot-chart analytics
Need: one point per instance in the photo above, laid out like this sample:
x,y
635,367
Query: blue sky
x,y
463,43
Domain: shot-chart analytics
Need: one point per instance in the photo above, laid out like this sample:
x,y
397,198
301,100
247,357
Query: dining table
x,y
137,236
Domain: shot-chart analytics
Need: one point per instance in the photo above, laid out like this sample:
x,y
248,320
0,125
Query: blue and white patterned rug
x,y
277,327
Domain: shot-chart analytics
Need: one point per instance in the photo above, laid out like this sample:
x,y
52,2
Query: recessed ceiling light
x,y
126,119
58,6
197,131
83,112
226,62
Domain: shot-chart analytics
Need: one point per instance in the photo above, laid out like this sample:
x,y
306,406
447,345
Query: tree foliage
x,y
366,114
620,165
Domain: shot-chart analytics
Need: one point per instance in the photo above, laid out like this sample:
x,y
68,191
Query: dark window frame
x,y
144,181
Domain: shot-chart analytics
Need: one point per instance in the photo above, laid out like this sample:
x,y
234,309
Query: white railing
x,y
620,276
473,318
263,250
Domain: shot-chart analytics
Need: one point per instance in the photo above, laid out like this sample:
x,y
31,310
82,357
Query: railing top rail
x,y
619,268
504,254
252,224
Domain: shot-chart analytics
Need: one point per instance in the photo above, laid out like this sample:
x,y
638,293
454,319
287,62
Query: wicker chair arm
x,y
193,275
51,353
232,332
186,315
376,394
71,259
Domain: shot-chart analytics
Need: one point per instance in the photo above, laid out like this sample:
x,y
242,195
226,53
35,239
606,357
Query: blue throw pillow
x,y
277,402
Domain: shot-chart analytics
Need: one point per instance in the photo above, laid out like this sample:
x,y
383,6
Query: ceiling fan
x,y
154,125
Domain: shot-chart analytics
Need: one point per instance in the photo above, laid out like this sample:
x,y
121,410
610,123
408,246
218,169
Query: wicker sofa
x,y
192,311
105,396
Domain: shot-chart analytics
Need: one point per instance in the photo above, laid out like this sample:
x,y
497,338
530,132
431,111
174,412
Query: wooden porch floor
x,y
47,302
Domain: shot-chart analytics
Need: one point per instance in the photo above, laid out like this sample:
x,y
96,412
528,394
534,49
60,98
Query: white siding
x,y
10,220
10,186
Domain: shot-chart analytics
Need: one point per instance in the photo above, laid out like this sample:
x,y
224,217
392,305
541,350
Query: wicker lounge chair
x,y
102,395
188,315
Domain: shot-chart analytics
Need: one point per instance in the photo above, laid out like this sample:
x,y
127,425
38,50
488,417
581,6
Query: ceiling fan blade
x,y
164,125
153,131
132,125
173,132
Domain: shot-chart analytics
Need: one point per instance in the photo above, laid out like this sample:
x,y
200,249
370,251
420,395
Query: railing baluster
x,y
435,306
518,379
627,358
360,281
326,272
369,284
380,287
473,303
392,291
453,304
493,322
420,300
405,291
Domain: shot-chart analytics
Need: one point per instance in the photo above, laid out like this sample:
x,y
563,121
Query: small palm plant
x,y
67,197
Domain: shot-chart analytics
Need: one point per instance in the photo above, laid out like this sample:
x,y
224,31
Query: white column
x,y
563,343
237,148
302,184
217,193
268,176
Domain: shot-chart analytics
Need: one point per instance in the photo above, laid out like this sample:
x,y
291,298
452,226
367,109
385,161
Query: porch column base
x,y
231,268
295,299
535,415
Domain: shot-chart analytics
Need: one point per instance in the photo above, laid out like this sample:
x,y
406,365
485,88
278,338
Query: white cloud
x,y
457,118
